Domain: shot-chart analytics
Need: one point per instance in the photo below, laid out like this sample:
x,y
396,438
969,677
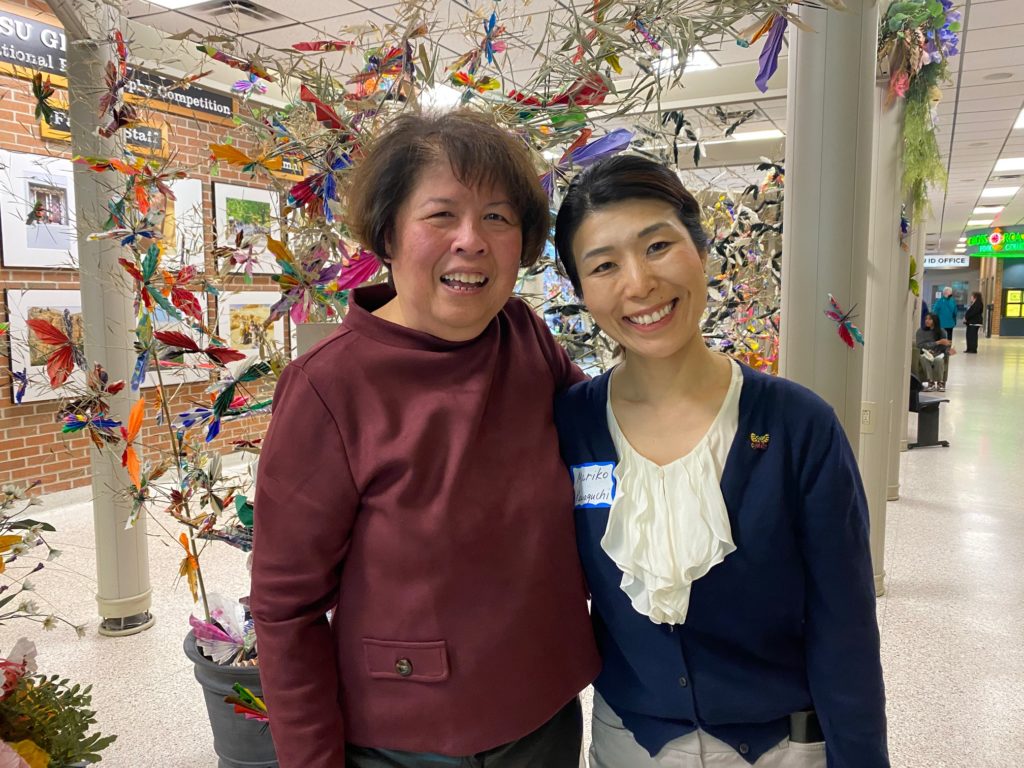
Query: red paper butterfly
x,y
848,332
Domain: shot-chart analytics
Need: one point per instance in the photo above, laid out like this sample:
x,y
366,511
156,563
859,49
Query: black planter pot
x,y
238,742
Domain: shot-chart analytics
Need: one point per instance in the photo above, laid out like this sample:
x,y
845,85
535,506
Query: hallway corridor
x,y
952,620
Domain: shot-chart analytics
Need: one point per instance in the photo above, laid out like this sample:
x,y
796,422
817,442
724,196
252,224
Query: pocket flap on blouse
x,y
393,660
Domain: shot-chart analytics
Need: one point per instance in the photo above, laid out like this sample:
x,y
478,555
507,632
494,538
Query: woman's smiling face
x,y
642,277
455,255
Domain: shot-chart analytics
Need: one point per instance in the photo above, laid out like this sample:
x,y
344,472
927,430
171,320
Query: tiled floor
x,y
952,621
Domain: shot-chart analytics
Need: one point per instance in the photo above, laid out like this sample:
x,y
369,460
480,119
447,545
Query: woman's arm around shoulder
x,y
843,659
306,501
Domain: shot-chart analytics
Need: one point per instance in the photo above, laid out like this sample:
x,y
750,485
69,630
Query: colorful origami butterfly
x,y
112,102
129,458
226,401
94,400
357,269
115,77
583,49
324,114
305,283
588,90
320,189
189,570
479,84
609,144
234,156
61,361
383,65
21,379
228,636
245,65
249,86
323,46
184,83
43,91
248,704
178,344
489,46
638,25
144,271
182,298
848,332
99,427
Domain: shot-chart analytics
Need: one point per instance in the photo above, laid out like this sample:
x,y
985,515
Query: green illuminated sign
x,y
1000,242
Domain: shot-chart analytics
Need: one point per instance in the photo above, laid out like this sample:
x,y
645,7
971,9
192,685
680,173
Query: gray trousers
x,y
615,747
556,744
934,370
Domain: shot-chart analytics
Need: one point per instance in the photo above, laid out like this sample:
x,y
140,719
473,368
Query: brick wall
x,y
32,447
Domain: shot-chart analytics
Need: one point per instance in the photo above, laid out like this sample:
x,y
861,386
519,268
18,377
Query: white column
x,y
122,556
918,240
884,321
828,198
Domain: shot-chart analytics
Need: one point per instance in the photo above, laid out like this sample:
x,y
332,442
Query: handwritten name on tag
x,y
594,484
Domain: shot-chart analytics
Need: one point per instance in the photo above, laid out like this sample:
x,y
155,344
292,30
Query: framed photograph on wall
x,y
37,212
241,315
63,310
254,213
184,238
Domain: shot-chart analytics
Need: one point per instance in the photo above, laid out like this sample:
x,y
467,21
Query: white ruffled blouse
x,y
668,525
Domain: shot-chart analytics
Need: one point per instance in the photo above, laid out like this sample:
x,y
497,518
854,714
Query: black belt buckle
x,y
804,728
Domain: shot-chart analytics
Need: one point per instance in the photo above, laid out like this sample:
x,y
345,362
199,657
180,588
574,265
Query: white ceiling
x,y
976,116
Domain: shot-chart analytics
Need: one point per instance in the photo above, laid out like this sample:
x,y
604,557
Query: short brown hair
x,y
480,153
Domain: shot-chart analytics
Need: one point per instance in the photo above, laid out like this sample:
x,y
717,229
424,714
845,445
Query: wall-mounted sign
x,y
935,261
143,139
1013,303
996,243
292,168
59,126
28,45
155,91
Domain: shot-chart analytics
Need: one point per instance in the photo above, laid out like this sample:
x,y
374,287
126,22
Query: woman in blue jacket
x,y
719,512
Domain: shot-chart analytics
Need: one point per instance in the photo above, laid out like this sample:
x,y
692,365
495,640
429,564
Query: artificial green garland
x,y
922,164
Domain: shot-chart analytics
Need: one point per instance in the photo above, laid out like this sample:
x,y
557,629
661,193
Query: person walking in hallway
x,y
973,319
944,309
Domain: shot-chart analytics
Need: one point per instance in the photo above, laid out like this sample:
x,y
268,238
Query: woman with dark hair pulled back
x,y
719,515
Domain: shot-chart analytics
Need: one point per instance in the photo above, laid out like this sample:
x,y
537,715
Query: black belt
x,y
804,728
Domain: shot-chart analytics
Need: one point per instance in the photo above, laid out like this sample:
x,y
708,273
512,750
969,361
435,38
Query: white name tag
x,y
594,484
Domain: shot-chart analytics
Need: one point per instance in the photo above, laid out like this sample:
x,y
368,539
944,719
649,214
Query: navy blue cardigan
x,y
786,623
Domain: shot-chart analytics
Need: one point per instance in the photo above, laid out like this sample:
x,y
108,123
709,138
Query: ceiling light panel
x,y
1009,165
999,191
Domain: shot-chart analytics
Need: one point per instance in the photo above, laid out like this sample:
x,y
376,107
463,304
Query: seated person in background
x,y
932,345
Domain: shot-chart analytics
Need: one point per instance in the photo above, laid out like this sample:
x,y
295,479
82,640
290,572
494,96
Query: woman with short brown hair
x,y
411,483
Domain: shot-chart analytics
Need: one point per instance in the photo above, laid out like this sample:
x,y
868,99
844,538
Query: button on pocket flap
x,y
393,660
